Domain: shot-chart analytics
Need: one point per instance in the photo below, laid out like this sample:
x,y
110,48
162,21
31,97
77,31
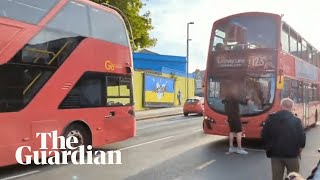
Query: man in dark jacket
x,y
284,139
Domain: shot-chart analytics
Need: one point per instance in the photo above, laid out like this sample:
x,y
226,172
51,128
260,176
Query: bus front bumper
x,y
248,131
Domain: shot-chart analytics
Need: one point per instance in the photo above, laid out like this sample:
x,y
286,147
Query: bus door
x,y
306,105
15,130
118,119
305,114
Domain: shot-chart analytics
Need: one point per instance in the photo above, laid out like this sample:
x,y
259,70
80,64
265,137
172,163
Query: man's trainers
x,y
232,149
241,151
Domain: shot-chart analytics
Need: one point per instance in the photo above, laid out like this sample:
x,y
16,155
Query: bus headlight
x,y
211,120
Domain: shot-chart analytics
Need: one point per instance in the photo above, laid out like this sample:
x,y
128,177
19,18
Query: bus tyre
x,y
185,114
80,132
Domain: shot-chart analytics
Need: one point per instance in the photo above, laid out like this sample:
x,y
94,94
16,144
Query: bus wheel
x,y
79,131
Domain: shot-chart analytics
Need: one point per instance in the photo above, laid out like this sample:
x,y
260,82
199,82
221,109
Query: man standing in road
x,y
284,140
232,109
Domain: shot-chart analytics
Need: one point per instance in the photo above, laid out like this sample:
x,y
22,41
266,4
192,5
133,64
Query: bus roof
x,y
96,5
250,14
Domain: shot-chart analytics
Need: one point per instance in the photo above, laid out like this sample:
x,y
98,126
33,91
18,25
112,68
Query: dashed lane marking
x,y
20,175
257,150
145,143
205,164
196,130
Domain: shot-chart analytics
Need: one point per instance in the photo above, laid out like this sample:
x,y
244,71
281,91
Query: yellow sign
x,y
280,82
110,66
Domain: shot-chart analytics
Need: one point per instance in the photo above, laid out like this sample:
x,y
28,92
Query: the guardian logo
x,y
66,151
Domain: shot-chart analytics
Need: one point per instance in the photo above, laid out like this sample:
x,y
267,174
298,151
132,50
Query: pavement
x,y
158,112
172,148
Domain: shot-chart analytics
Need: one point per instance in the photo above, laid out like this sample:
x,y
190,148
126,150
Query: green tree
x,y
141,24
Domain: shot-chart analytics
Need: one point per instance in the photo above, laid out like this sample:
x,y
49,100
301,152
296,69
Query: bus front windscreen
x,y
28,11
255,91
245,32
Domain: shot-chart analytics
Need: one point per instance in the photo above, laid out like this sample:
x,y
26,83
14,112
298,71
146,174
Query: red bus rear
x,y
65,66
247,50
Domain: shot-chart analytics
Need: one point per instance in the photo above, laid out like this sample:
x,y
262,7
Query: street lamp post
x,y
187,58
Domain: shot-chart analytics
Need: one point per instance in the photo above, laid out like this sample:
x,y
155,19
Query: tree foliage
x,y
141,24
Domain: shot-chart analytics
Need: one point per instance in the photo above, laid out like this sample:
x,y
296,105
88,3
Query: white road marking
x,y
145,125
178,178
249,149
149,142
20,175
257,150
205,164
196,130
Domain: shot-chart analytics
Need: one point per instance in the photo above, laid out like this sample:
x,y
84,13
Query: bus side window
x,y
107,26
73,13
118,90
306,92
285,40
304,53
315,93
87,93
293,44
294,91
299,47
300,92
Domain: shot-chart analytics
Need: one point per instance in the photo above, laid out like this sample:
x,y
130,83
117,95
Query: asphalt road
x,y
172,148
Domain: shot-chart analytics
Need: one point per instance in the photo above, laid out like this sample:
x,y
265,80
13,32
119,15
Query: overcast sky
x,y
170,18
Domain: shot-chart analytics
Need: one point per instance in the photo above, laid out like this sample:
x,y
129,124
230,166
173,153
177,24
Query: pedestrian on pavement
x,y
179,96
232,109
284,139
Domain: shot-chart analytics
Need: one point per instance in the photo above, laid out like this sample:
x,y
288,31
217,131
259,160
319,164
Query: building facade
x,y
160,80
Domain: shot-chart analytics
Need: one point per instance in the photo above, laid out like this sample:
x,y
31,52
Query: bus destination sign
x,y
225,62
252,61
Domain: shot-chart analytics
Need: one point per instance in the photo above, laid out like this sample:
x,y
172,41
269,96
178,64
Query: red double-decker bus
x,y
267,60
65,65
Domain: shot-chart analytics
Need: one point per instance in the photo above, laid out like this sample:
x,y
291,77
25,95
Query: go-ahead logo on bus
x,y
110,66
65,152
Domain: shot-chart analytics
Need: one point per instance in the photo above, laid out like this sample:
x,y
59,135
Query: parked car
x,y
193,105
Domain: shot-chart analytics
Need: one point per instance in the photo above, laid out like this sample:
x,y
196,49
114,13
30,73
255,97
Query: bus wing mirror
x,y
129,70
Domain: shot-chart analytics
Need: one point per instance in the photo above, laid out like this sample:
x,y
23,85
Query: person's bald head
x,y
286,104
